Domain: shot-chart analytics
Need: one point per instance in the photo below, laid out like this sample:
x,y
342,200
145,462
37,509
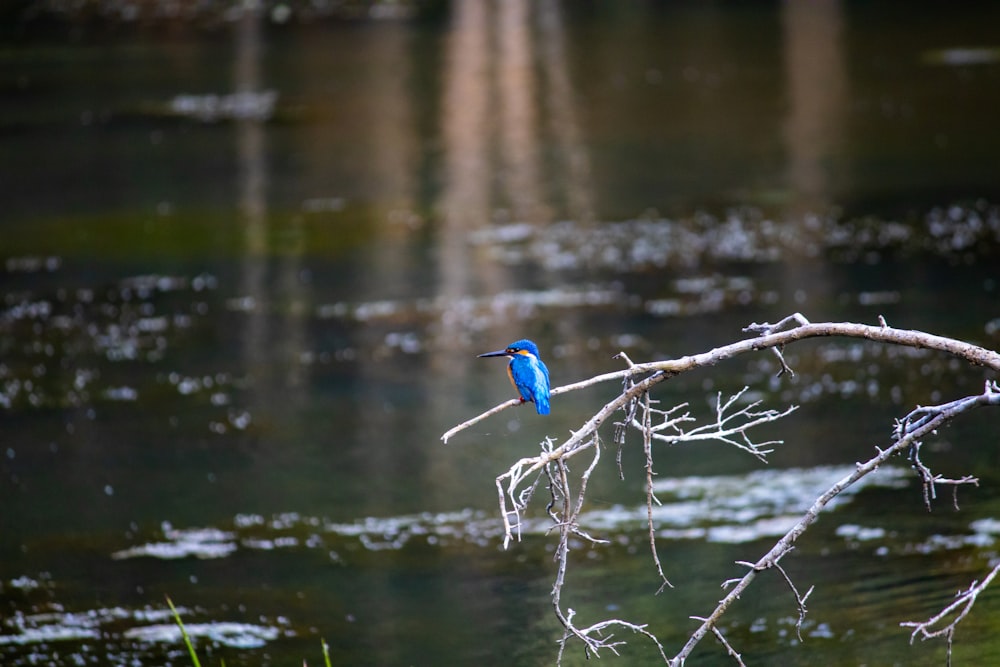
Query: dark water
x,y
247,269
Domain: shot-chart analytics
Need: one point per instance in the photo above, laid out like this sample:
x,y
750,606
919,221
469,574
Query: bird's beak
x,y
498,353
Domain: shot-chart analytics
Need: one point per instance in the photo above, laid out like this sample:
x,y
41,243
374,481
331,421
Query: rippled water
x,y
245,271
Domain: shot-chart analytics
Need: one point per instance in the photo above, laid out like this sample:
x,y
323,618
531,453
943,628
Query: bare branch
x,y
906,436
731,424
764,329
629,410
920,417
475,420
729,648
771,336
800,600
960,608
721,429
592,637
929,480
594,640
647,446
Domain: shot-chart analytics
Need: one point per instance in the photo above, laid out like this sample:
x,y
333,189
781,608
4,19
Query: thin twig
x,y
800,600
905,437
961,607
772,335
647,446
731,426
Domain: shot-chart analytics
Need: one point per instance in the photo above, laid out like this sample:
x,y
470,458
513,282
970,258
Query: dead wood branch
x,y
905,436
732,422
958,610
771,336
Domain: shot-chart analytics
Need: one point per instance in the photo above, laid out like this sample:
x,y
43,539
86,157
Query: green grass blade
x,y
187,640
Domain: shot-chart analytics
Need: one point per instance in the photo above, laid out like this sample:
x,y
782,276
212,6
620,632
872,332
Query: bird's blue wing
x,y
532,379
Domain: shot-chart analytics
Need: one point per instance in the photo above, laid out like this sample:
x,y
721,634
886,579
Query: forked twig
x,y
905,436
647,446
730,425
964,600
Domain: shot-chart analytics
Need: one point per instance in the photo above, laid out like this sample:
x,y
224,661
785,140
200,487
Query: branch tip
x,y
733,419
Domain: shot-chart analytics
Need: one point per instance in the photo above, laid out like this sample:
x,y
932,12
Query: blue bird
x,y
527,373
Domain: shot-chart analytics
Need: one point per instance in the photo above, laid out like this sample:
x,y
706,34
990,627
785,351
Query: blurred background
x,y
250,251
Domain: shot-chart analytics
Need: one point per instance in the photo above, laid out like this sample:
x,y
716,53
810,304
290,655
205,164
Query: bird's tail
x,y
542,405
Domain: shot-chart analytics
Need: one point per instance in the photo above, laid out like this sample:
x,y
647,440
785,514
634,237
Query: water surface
x,y
247,270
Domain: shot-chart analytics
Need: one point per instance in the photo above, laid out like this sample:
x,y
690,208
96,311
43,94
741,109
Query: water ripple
x,y
721,508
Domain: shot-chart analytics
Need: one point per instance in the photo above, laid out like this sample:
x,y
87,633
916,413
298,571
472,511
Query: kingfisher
x,y
527,373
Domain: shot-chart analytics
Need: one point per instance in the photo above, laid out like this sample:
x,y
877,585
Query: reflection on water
x,y
817,88
152,626
245,274
735,509
745,235
721,508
